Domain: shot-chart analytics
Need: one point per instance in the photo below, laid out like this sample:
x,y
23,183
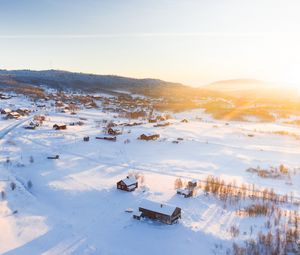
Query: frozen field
x,y
74,207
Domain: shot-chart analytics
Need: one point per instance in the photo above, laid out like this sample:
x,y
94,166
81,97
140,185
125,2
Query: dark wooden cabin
x,y
164,213
130,183
59,127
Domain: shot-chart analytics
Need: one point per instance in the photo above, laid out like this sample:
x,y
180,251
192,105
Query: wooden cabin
x,y
149,137
59,127
152,120
111,131
164,213
23,111
13,115
130,183
39,118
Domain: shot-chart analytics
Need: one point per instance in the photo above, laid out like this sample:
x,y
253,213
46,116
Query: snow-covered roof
x,y
14,113
7,110
130,180
158,207
23,109
137,213
183,191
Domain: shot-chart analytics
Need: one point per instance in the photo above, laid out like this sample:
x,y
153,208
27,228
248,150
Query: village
x,y
144,170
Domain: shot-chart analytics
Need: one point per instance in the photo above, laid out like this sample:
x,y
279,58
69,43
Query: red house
x,y
130,183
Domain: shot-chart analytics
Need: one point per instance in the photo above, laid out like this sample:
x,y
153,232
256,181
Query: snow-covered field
x,y
73,206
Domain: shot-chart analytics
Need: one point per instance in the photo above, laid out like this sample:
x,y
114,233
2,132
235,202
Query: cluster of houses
x,y
14,114
164,213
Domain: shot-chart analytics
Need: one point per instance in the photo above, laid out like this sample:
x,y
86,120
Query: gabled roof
x,y
129,180
158,207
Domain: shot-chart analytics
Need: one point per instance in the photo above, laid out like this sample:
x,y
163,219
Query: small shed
x,y
130,183
137,215
164,213
185,192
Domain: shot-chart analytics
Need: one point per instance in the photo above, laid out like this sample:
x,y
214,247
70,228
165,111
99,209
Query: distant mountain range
x,y
239,84
252,88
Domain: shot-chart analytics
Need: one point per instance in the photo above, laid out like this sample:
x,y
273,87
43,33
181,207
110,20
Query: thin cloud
x,y
128,35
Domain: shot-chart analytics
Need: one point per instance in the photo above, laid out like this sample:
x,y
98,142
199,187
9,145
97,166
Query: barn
x,y
164,213
130,183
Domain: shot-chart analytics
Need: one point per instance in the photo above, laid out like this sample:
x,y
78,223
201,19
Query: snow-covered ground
x,y
74,207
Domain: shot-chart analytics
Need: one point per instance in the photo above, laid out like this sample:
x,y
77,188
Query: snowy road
x,y
6,130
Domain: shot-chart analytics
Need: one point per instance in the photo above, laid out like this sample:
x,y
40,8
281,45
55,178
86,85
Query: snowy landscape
x,y
61,160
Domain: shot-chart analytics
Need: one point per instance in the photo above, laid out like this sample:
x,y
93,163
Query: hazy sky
x,y
188,41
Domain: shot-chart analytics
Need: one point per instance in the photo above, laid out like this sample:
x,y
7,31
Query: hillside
x,y
64,80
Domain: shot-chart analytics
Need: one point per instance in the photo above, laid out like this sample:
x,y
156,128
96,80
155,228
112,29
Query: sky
x,y
189,41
